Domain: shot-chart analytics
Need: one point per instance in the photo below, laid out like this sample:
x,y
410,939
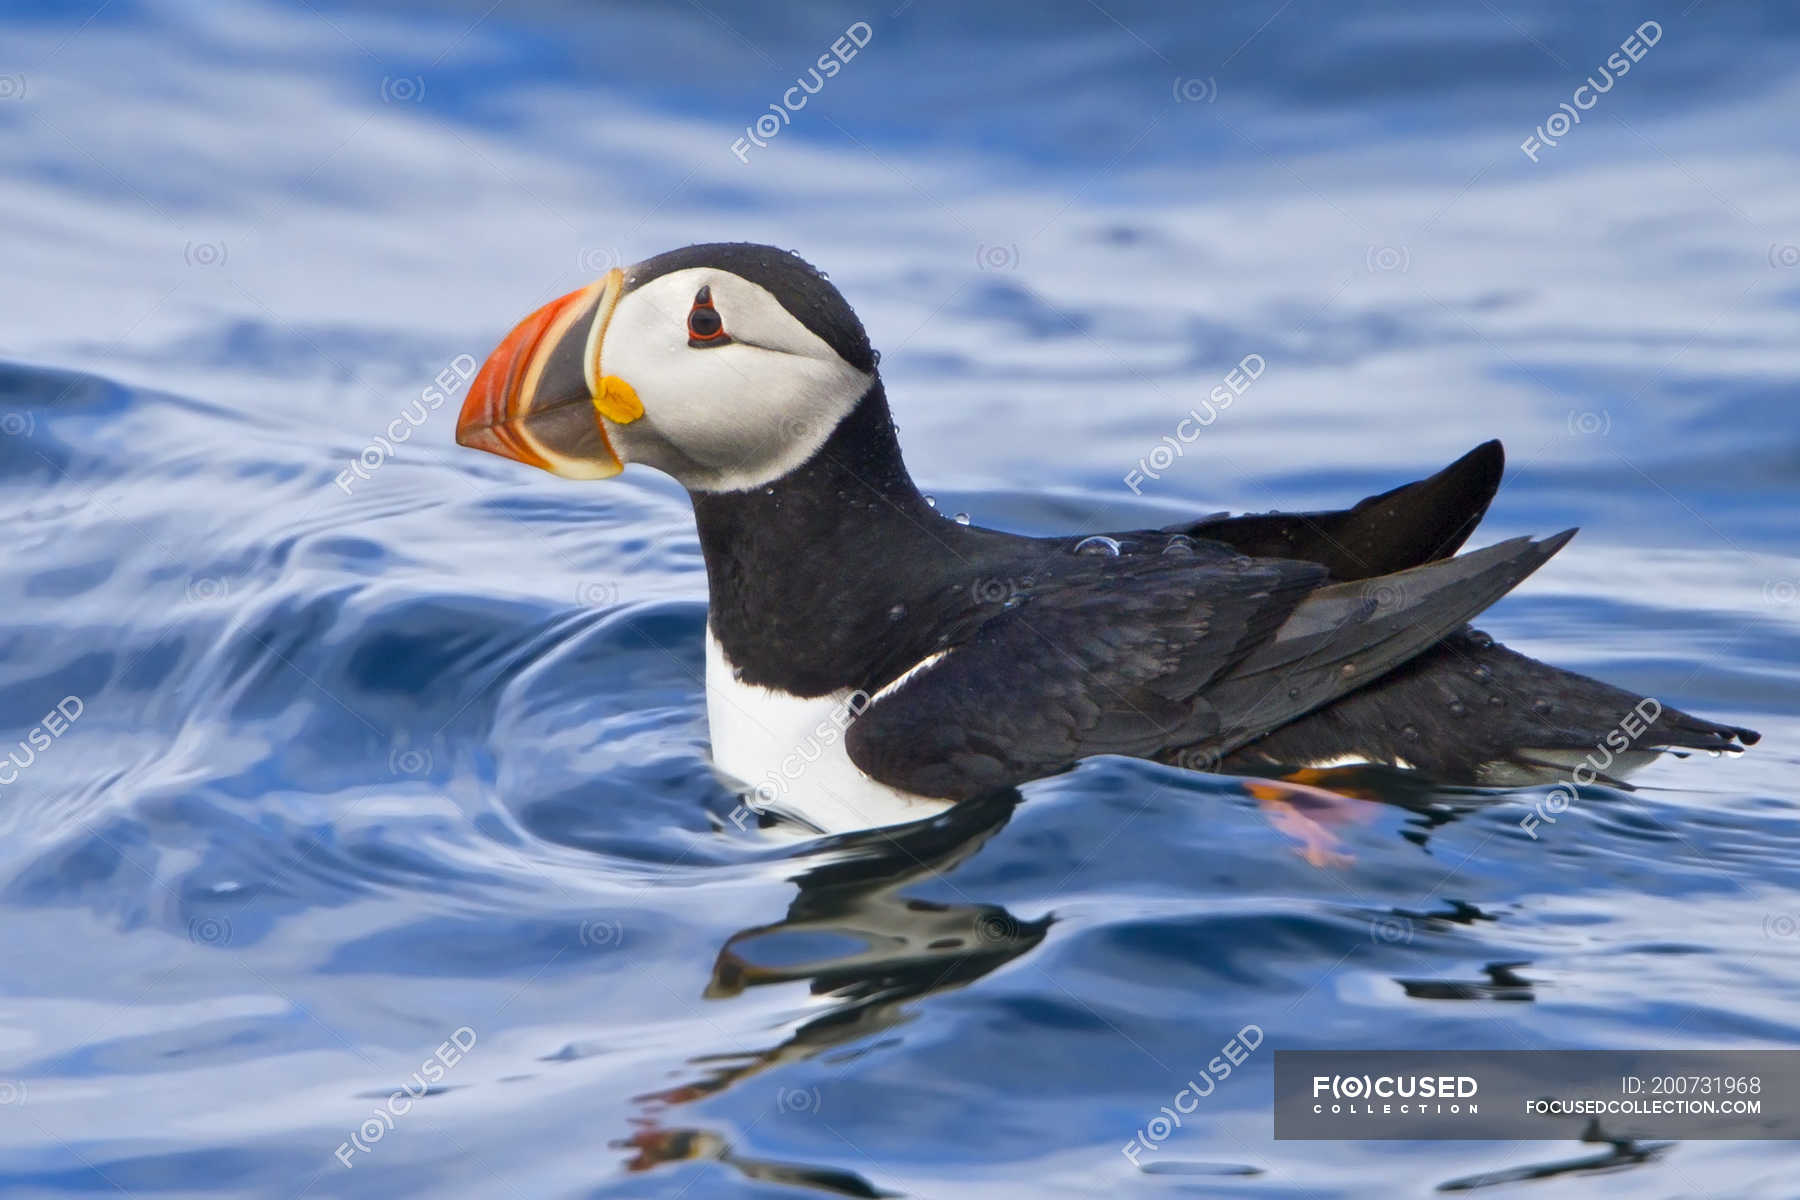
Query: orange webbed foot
x,y
1297,807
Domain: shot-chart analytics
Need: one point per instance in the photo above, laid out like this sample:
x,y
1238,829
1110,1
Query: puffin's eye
x,y
704,326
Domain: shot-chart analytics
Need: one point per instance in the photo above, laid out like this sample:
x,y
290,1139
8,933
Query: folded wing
x,y
1149,656
1411,525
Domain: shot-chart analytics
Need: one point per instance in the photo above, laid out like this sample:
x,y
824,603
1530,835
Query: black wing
x,y
1108,656
1149,657
1411,525
1347,636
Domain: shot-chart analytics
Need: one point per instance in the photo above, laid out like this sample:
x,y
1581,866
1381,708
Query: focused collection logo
x,y
1509,1095
1395,1095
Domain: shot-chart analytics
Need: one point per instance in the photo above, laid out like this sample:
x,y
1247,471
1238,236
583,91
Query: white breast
x,y
788,753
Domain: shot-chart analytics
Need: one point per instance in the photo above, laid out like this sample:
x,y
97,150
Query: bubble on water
x,y
897,613
1496,701
931,502
1293,693
1179,546
1410,732
1481,641
1099,545
1482,672
1542,707
1458,709
961,518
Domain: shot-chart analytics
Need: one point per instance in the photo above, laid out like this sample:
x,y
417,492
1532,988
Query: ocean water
x,y
372,756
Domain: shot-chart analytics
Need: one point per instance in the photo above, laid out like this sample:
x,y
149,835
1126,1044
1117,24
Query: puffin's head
x,y
724,365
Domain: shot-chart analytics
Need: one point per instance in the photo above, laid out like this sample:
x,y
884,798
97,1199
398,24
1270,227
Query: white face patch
x,y
726,417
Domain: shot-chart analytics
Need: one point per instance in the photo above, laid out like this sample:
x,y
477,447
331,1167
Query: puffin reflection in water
x,y
871,954
955,662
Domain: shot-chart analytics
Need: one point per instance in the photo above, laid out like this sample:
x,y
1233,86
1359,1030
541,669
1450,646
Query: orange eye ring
x,y
704,325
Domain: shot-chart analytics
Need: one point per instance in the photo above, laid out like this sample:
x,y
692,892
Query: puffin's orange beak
x,y
540,396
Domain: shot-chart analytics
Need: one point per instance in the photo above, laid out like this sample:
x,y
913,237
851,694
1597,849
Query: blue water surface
x,y
382,767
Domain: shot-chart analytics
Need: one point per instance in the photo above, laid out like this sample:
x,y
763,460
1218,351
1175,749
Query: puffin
x,y
870,662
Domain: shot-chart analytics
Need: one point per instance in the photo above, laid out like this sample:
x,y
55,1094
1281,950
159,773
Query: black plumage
x,y
1239,643
1412,524
841,576
1470,711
